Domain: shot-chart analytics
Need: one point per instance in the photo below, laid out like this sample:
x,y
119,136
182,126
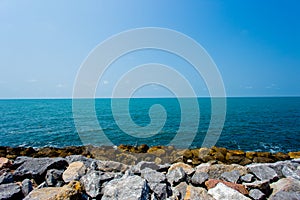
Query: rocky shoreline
x,y
128,172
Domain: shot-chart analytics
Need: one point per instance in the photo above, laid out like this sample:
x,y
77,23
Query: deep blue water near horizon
x,y
252,124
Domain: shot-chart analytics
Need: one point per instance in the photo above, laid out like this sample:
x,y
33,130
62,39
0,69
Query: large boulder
x,y
176,176
199,178
26,187
223,192
36,168
6,177
10,191
215,171
286,188
127,187
211,183
54,177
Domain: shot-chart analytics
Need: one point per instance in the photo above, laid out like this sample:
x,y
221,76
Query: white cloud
x,y
105,82
32,80
60,85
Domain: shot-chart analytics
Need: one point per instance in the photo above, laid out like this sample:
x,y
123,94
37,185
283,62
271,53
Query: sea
x,y
251,124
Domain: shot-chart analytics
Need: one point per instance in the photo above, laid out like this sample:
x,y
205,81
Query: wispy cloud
x,y
105,82
60,85
31,81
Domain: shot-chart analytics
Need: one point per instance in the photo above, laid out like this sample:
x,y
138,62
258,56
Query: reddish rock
x,y
211,183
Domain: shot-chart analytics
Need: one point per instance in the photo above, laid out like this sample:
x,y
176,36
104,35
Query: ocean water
x,y
252,124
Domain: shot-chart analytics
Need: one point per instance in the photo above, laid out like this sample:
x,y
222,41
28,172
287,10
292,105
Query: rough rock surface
x,y
74,171
263,172
36,168
10,191
127,187
223,192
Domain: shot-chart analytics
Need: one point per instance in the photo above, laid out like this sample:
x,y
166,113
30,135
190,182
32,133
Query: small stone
x,y
247,178
10,191
257,194
26,187
6,177
199,178
287,185
112,166
223,192
263,172
74,172
232,176
176,176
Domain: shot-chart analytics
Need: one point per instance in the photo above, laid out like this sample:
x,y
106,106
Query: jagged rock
x,y
282,195
223,192
72,191
186,168
288,186
256,194
288,172
247,178
36,168
176,176
263,172
5,163
261,185
112,166
143,164
211,183
156,182
20,160
196,193
232,176
74,158
74,171
179,191
199,178
127,187
26,187
54,177
10,191
93,180
215,171
6,177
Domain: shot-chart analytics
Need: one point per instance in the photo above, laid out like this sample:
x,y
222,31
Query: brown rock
x,y
280,156
5,163
250,155
263,154
142,148
294,155
74,171
156,150
211,183
196,193
70,192
263,160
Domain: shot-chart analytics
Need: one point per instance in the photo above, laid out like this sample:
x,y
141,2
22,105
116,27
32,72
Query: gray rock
x,y
10,191
36,168
6,177
288,172
282,195
261,185
143,165
93,180
247,178
288,186
179,191
257,194
223,192
20,160
43,194
74,158
54,177
74,171
197,193
263,172
156,182
111,166
232,176
176,176
26,187
127,187
199,178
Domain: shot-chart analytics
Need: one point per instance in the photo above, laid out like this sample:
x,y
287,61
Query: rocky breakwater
x,y
79,177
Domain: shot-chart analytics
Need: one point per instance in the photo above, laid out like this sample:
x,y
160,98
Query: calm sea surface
x,y
260,124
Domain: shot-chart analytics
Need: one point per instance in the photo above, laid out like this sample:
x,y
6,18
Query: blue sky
x,y
255,44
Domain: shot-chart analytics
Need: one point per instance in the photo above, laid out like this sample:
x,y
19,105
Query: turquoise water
x,y
260,124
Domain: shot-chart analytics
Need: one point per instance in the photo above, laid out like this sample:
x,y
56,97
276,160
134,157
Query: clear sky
x,y
255,44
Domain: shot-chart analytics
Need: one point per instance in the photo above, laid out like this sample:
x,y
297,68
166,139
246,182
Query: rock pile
x,y
78,177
